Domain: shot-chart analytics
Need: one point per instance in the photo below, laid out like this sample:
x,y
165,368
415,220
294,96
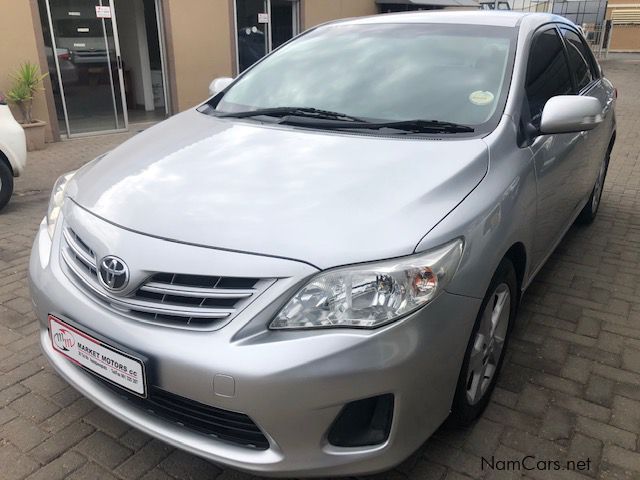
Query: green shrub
x,y
27,81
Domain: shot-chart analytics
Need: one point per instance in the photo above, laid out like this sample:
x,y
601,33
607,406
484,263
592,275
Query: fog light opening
x,y
363,423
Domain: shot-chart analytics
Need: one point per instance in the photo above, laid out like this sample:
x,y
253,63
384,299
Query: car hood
x,y
324,198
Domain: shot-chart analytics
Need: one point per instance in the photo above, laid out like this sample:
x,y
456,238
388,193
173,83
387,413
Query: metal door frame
x,y
163,56
296,27
116,43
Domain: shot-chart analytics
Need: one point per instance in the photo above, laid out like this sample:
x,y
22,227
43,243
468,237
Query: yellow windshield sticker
x,y
480,97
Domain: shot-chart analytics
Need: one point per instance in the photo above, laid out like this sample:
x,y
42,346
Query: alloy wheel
x,y
488,344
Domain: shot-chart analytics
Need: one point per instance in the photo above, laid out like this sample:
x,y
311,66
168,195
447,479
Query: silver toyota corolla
x,y
307,274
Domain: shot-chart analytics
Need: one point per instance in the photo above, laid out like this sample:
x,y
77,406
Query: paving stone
x,y
588,326
12,393
496,467
613,472
92,470
144,460
13,463
424,469
580,406
484,437
60,468
530,444
631,359
34,407
7,414
45,383
134,439
533,400
556,383
182,465
66,397
626,414
454,458
557,424
513,418
74,412
106,422
577,369
60,442
584,448
599,390
23,433
103,449
617,374
622,458
157,474
610,342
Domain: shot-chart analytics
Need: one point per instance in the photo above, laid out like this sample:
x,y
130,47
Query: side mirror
x,y
218,85
570,113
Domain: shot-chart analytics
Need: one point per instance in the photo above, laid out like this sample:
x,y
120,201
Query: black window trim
x,y
526,135
590,61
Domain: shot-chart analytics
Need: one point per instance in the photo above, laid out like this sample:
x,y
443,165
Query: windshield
x,y
386,72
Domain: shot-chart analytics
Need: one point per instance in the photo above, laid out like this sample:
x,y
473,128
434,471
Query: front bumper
x,y
292,384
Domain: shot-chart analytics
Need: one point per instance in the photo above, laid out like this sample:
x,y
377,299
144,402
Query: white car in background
x,y
13,152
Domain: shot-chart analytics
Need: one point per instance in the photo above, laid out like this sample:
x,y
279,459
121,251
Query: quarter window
x,y
548,73
578,59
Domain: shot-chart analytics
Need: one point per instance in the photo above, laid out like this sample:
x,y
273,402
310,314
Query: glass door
x,y
284,21
252,18
81,42
263,25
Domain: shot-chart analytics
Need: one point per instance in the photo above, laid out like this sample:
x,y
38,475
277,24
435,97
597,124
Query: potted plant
x,y
27,81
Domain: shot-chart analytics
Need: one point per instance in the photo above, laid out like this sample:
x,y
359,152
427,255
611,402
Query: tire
x,y
590,210
483,360
6,183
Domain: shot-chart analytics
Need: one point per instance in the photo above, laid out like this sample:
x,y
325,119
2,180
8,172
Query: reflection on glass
x,y
252,35
85,49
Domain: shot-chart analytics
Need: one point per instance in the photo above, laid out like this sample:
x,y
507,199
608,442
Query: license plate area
x,y
98,357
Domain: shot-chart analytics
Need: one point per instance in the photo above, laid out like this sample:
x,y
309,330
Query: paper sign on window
x,y
103,12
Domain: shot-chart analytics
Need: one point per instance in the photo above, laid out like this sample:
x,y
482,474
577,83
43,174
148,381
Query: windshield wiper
x,y
409,126
325,119
305,112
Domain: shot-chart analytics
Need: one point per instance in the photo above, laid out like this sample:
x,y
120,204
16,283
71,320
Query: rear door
x,y
588,82
558,159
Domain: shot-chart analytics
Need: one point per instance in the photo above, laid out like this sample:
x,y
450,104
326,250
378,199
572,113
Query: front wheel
x,y
487,345
6,184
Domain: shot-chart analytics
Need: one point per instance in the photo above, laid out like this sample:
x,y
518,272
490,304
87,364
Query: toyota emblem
x,y
113,273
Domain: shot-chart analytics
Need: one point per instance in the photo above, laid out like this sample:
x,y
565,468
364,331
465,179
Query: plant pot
x,y
35,135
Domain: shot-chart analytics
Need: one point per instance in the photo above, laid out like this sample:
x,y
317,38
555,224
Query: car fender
x,y
497,214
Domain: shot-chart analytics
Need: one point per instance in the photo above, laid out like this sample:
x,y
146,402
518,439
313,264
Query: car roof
x,y
467,17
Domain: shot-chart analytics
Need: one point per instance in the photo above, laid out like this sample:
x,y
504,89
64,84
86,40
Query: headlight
x,y
56,201
372,294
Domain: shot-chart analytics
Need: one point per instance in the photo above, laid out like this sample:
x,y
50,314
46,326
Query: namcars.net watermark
x,y
531,462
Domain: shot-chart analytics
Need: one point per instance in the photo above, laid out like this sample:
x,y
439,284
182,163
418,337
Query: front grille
x,y
232,427
172,299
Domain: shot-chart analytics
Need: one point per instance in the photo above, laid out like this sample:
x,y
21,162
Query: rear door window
x,y
579,59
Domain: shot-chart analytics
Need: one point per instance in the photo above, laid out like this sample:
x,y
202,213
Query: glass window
x,y
579,59
390,72
548,73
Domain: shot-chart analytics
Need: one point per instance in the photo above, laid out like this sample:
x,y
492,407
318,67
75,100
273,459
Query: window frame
x,y
536,34
591,63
